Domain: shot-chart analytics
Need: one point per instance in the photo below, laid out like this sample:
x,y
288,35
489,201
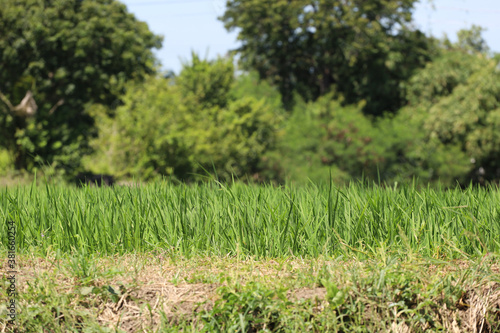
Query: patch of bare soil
x,y
143,307
299,294
155,295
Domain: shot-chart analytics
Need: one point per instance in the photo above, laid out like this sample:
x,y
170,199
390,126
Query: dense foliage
x,y
363,50
452,114
187,127
331,90
68,54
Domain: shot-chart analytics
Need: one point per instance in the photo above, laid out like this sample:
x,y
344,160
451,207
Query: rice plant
x,y
250,220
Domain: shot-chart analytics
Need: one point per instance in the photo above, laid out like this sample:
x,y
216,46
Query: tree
x,y
361,49
63,55
453,116
470,119
324,138
440,76
472,41
185,126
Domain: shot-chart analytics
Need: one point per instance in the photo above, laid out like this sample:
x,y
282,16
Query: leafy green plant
x,y
186,127
5,161
335,296
83,267
453,118
246,309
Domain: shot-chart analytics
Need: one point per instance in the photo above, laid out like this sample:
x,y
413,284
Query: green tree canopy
x,y
69,54
185,126
470,119
472,40
440,77
453,115
363,49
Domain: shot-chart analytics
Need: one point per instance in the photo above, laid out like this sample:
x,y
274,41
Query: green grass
x,y
244,258
263,222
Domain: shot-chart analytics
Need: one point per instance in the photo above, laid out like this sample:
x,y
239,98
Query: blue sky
x,y
192,24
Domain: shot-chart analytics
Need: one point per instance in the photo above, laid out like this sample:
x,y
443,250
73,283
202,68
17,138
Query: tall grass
x,y
261,221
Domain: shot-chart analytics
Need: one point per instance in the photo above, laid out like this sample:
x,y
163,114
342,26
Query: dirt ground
x,y
149,288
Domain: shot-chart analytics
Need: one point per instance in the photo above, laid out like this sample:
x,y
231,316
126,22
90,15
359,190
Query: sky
x,y
192,25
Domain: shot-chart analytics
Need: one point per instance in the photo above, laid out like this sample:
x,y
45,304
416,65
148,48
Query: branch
x,y
58,104
27,107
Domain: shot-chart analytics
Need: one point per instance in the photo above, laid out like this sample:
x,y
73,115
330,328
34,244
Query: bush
x,y
454,120
5,162
186,127
324,136
470,119
144,137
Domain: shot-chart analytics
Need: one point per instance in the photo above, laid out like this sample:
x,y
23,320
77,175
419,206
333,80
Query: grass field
x,y
246,258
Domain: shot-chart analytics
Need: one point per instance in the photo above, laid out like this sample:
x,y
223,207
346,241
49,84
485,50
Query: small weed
x,y
250,308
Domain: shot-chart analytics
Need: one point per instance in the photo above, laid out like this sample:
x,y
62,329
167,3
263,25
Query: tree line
x,y
346,89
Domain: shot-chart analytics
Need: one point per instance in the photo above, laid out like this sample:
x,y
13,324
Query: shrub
x,y
186,127
5,161
454,120
324,136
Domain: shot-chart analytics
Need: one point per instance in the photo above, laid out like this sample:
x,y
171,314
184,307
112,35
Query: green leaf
x,y
84,291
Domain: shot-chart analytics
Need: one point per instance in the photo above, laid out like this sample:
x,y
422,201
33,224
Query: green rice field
x,y
264,258
258,221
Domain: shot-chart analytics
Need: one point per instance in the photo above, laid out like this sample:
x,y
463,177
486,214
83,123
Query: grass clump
x,y
246,308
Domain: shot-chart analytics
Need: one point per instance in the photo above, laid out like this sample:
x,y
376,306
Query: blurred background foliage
x,y
340,89
188,126
70,54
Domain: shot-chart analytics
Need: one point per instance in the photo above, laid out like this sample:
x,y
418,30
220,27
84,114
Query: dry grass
x,y
153,288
